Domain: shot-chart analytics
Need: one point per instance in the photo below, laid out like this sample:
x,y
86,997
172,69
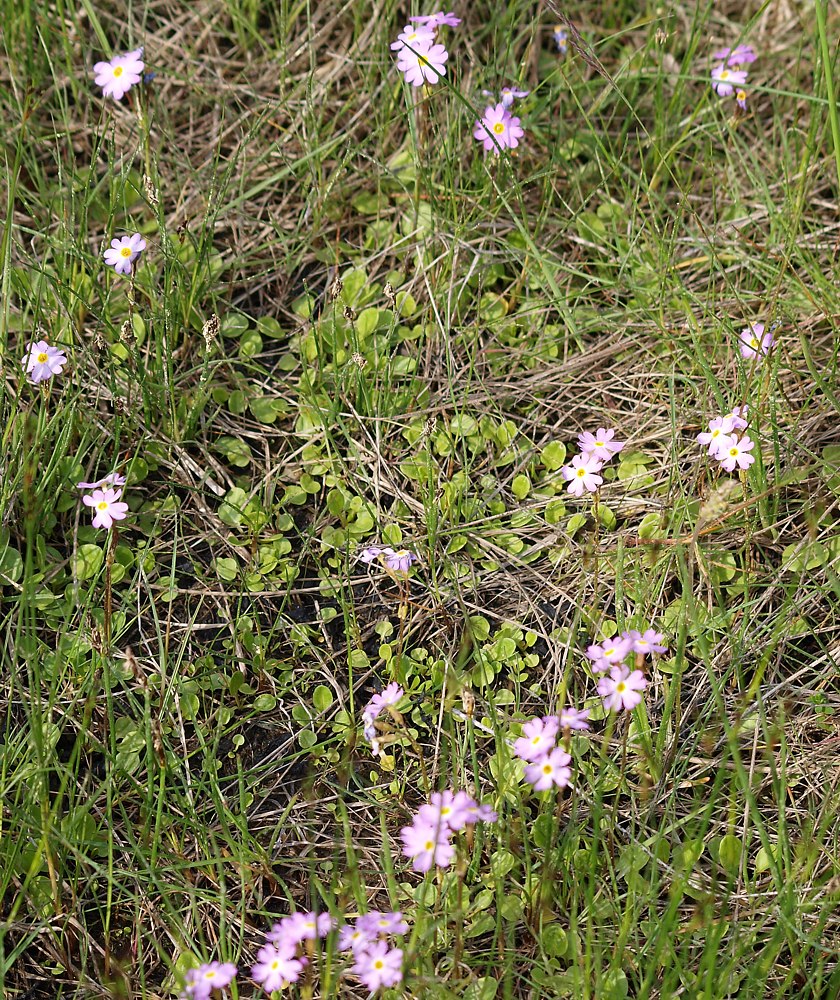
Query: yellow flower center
x,y
741,95
125,252
499,128
621,687
754,343
724,74
429,845
581,473
42,358
378,964
102,505
546,769
733,452
118,71
599,444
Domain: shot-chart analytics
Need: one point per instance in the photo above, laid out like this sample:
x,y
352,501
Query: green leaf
x,y
729,852
520,487
265,703
266,409
226,568
234,324
250,344
553,456
11,565
322,697
233,506
87,561
463,425
366,322
235,450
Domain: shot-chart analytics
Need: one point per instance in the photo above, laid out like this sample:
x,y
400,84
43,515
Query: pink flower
x,y
447,810
107,507
738,416
123,252
538,739
120,74
43,361
621,689
354,938
376,923
498,130
481,813
427,844
419,37
736,453
718,435
582,474
112,479
724,81
399,561
599,445
425,62
647,642
571,718
508,95
741,99
276,968
561,39
288,933
738,56
436,20
610,652
754,341
200,982
379,966
550,770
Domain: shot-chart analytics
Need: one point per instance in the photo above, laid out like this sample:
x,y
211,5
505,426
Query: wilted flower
x,y
123,252
425,63
621,688
582,474
389,696
498,130
107,507
399,561
43,361
200,982
741,99
507,95
117,76
724,81
754,341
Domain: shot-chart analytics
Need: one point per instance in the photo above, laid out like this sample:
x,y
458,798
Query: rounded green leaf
x,y
87,561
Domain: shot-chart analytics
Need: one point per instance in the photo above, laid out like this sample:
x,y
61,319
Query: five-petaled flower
x,y
415,37
200,982
123,252
437,19
724,80
736,453
422,62
43,361
600,445
738,56
379,965
498,130
718,435
117,76
582,474
107,507
621,689
551,769
754,341
276,967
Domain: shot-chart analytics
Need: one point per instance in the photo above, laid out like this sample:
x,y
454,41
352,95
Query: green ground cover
x,y
351,327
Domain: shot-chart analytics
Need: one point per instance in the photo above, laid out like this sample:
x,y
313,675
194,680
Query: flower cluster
x,y
120,74
420,57
123,252
376,963
727,75
396,560
561,39
105,499
42,361
386,698
428,841
545,763
725,443
595,450
622,687
278,962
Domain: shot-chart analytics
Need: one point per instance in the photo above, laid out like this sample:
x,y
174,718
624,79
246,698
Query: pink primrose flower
x,y
538,739
608,653
741,99
276,968
400,561
739,56
582,474
599,445
498,130
738,416
107,507
718,435
437,20
736,453
200,982
123,252
117,76
354,938
421,36
648,642
43,361
724,81
621,689
427,844
754,341
112,479
447,810
553,769
571,718
378,966
376,922
426,62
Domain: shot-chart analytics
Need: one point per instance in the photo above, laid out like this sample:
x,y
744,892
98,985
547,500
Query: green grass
x,y
182,759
